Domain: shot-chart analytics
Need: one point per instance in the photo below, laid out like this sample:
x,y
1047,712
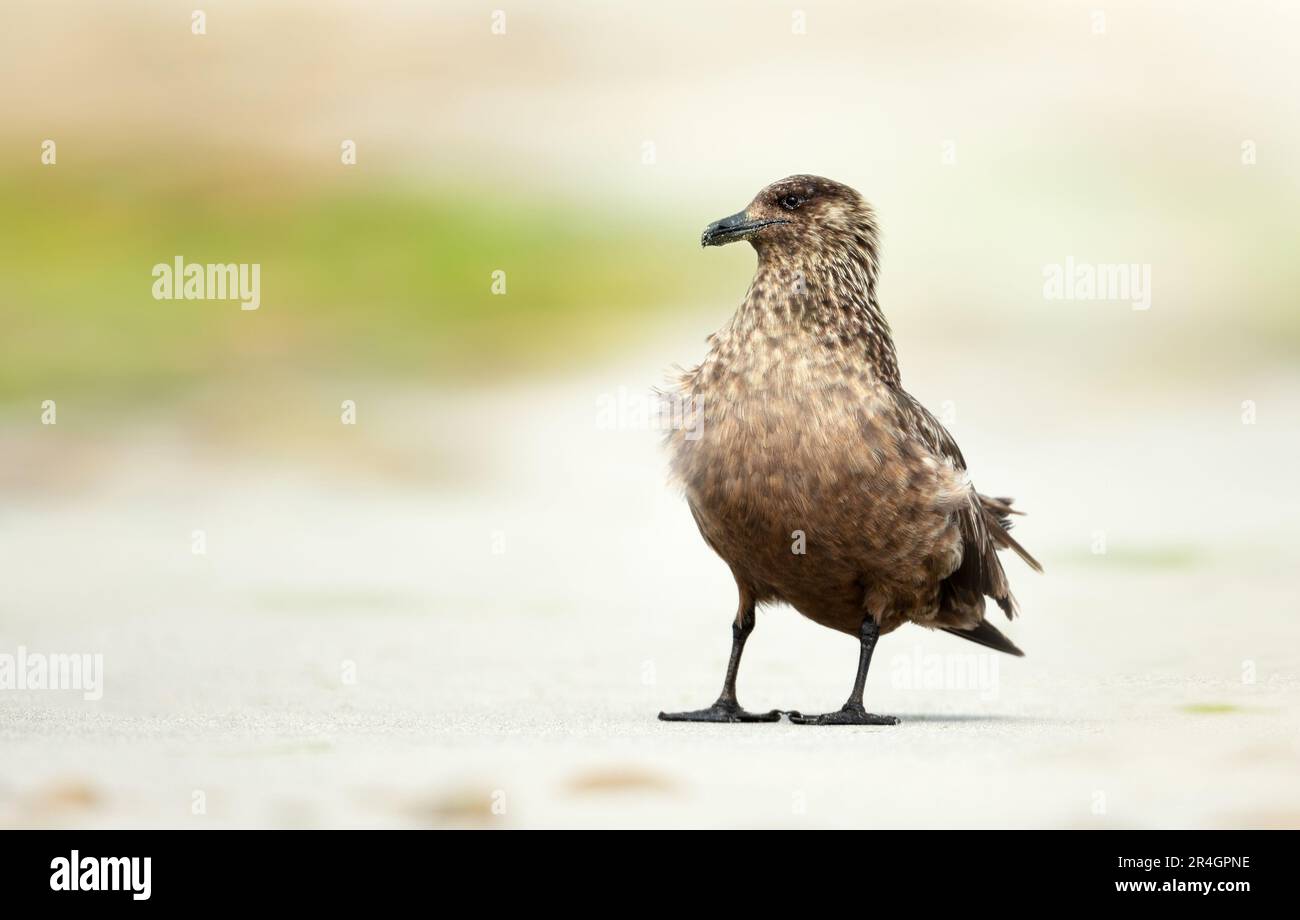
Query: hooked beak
x,y
735,227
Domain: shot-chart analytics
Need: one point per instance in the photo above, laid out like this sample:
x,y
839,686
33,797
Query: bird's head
x,y
799,212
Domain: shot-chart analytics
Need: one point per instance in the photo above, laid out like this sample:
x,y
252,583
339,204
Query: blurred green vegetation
x,y
389,276
374,276
1156,556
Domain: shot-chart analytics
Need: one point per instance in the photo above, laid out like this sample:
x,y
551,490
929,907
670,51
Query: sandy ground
x,y
466,611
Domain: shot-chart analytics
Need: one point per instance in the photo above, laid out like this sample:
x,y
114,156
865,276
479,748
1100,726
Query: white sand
x,y
520,689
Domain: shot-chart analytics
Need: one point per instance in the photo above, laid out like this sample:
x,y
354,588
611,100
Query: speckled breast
x,y
802,480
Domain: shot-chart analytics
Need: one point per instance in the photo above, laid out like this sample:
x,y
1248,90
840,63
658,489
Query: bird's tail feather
x,y
987,635
997,514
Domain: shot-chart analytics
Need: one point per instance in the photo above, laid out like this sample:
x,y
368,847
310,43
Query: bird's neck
x,y
831,302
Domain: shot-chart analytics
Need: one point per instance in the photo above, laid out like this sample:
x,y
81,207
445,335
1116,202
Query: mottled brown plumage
x,y
808,437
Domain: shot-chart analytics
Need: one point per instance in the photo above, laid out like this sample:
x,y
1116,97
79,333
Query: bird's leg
x,y
727,709
853,713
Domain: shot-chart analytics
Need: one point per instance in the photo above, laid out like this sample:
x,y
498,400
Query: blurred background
x,y
466,608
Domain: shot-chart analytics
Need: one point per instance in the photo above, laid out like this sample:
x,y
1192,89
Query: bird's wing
x,y
984,524
918,418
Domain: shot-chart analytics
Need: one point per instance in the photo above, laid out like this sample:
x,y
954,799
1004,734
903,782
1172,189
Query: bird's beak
x,y
735,227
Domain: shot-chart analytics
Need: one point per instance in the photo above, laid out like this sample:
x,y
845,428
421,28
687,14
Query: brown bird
x,y
815,476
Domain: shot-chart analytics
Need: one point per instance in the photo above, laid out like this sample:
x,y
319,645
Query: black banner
x,y
333,868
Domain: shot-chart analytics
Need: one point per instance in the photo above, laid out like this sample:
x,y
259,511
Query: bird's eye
x,y
790,202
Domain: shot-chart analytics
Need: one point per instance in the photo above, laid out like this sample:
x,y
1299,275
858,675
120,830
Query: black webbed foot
x,y
851,714
721,712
